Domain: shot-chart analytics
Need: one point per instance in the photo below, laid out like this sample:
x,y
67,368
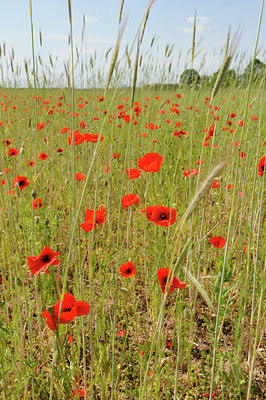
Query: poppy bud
x,y
33,194
22,151
19,281
187,314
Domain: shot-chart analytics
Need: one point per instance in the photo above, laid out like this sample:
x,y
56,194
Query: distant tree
x,y
228,78
205,80
189,77
259,70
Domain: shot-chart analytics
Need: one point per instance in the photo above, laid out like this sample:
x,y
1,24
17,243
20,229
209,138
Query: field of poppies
x,y
132,262
142,234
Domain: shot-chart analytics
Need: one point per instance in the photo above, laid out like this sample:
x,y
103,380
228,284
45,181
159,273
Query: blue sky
x,y
171,21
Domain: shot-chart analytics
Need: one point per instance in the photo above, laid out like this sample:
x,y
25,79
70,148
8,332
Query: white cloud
x,y
199,19
88,18
184,29
201,26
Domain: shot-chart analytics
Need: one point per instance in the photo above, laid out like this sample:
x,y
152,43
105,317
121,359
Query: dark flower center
x,y
67,309
128,270
21,183
45,258
163,216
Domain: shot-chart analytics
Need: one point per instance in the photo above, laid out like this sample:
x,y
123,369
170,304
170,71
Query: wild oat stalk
x,y
115,55
121,11
201,193
146,19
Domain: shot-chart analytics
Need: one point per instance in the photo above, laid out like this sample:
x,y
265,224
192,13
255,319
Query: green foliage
x,y
229,79
190,77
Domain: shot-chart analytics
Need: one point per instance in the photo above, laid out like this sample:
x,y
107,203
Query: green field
x,y
136,341
132,251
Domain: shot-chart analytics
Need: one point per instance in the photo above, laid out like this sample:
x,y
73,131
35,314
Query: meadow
x,y
132,261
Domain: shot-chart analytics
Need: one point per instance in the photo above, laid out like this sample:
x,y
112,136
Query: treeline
x,y
191,77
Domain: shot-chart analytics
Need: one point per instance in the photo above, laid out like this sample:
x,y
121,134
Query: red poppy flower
x,y
162,275
230,187
218,241
128,269
21,181
80,176
161,215
91,137
261,166
215,184
12,152
129,200
42,156
30,163
150,162
81,393
37,203
207,395
43,261
199,162
82,124
78,138
41,125
133,173
2,181
71,308
100,218
190,172
6,142
115,155
60,150
65,129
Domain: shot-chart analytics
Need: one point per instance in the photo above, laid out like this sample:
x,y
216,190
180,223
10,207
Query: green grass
x,y
30,356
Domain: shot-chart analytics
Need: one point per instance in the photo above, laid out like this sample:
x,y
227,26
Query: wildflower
x,y
71,308
37,203
91,137
12,152
30,163
81,393
150,162
160,215
43,261
42,156
207,395
128,269
215,184
190,172
78,138
21,181
133,173
64,130
59,150
261,166
6,142
218,241
128,200
162,275
120,333
89,219
80,176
